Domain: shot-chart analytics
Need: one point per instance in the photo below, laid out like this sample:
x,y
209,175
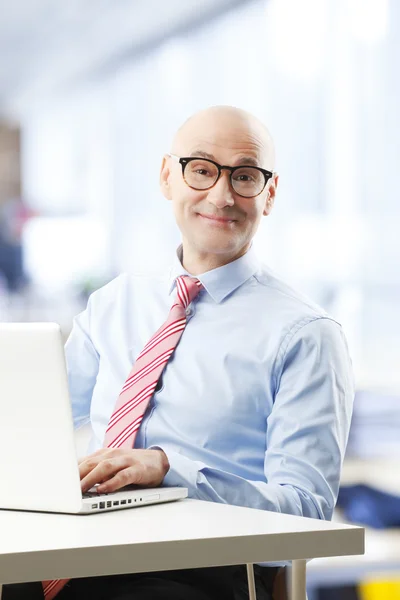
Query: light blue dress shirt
x,y
254,407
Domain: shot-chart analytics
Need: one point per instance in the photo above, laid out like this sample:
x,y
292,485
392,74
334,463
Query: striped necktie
x,y
139,387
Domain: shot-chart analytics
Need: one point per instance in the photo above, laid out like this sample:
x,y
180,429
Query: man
x,y
254,401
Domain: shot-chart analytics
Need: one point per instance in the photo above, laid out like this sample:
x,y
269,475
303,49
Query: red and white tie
x,y
141,383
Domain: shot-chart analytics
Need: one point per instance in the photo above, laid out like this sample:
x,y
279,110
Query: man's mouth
x,y
217,219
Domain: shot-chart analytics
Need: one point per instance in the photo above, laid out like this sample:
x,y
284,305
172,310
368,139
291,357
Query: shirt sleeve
x,y
306,437
82,366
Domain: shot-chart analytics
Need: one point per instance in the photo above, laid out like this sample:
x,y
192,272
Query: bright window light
x,y
368,19
297,34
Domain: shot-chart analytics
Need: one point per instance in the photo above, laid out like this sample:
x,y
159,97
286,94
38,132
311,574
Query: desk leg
x,y
298,580
1,587
250,580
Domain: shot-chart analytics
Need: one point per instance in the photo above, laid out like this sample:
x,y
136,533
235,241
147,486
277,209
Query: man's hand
x,y
115,468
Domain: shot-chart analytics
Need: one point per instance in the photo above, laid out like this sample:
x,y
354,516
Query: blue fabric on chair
x,y
369,506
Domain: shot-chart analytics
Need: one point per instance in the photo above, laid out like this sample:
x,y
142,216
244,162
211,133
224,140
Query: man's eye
x,y
244,178
202,171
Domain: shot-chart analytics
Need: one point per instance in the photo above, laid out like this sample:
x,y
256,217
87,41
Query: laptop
x,y
39,464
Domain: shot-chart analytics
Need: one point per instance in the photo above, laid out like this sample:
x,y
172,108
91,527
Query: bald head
x,y
226,128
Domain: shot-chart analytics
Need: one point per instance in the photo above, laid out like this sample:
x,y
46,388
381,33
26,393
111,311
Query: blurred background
x,y
90,96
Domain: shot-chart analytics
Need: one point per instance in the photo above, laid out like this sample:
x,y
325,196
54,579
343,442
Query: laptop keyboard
x,y
93,493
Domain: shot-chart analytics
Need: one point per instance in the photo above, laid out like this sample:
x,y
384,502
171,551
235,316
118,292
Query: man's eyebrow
x,y
202,154
242,160
247,160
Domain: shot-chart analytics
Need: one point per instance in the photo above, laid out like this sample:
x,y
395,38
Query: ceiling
x,y
47,45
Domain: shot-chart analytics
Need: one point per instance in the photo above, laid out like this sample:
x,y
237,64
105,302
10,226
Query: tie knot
x,y
187,288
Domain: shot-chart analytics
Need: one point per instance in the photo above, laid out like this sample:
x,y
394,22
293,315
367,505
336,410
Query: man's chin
x,y
218,247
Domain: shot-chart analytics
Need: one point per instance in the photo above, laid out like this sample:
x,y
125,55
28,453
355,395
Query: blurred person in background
x,y
13,216
242,391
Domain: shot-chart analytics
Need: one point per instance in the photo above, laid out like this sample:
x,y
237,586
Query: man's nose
x,y
221,194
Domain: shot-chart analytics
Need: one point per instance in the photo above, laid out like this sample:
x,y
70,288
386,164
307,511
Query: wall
x,y
324,78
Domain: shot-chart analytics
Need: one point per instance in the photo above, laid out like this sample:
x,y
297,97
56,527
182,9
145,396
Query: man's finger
x,y
94,455
124,477
100,472
97,475
88,465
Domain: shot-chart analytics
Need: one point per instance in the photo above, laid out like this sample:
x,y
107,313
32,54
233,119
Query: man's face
x,y
218,221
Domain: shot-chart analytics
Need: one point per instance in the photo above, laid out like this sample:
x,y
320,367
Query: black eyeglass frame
x,y
185,160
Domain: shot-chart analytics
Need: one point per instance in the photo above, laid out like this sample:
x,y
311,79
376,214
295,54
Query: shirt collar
x,y
222,281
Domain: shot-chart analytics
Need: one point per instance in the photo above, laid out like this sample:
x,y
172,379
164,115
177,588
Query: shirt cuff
x,y
182,470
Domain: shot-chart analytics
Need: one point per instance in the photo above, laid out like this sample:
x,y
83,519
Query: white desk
x,y
177,535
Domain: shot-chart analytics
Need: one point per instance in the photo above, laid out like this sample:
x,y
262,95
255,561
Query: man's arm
x,y
307,432
82,366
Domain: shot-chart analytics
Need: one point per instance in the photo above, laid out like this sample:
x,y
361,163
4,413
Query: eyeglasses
x,y
202,174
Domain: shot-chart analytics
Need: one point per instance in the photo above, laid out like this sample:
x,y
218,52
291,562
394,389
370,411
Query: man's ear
x,y
165,177
270,199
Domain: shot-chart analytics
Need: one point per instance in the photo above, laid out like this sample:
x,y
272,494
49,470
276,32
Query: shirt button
x,y
188,312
